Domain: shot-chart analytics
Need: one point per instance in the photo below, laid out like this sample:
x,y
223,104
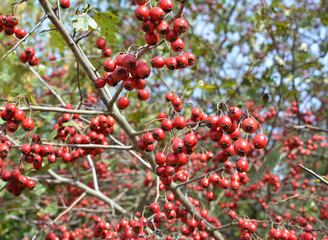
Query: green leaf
x,y
270,163
72,124
206,86
106,21
83,22
53,134
51,208
47,115
19,133
56,40
39,189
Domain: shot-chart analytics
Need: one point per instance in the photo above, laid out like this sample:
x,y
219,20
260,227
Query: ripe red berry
x,y
123,103
143,70
157,14
28,124
224,122
182,61
148,25
259,141
241,147
154,208
171,63
33,61
180,25
142,12
242,165
234,113
12,21
30,52
167,124
143,94
166,5
19,116
162,27
100,82
109,65
249,125
129,61
65,3
158,62
159,134
106,52
151,38
171,35
191,58
178,46
20,33
101,43
179,122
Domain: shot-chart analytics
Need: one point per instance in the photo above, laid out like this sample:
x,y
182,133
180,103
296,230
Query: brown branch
x,y
310,127
314,174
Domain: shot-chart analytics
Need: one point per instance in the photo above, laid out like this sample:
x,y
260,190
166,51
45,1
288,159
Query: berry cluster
x,y
13,117
8,25
16,182
28,56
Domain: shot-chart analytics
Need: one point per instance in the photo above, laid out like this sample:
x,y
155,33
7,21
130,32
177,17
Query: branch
x,y
94,174
62,110
117,93
310,127
27,35
70,207
116,147
88,190
47,85
314,174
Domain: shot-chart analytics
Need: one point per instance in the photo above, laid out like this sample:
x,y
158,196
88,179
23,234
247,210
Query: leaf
x,y
271,162
51,208
57,41
83,22
47,115
19,133
39,189
279,61
72,124
206,86
106,21
53,134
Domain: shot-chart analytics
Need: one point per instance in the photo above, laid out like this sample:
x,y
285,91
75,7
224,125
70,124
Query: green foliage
x,y
83,22
107,22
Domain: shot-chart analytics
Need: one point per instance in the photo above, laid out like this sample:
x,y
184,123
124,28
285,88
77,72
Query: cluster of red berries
x,y
28,56
65,234
17,182
125,68
13,117
8,25
153,24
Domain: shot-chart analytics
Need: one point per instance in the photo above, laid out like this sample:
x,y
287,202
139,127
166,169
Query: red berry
x,y
171,63
28,124
166,5
158,62
148,25
20,33
101,43
162,27
143,94
249,125
142,12
180,25
171,35
65,3
178,46
123,103
157,14
259,141
106,52
241,147
100,82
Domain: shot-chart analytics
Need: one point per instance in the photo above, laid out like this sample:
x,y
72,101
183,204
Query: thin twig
x,y
314,174
94,174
